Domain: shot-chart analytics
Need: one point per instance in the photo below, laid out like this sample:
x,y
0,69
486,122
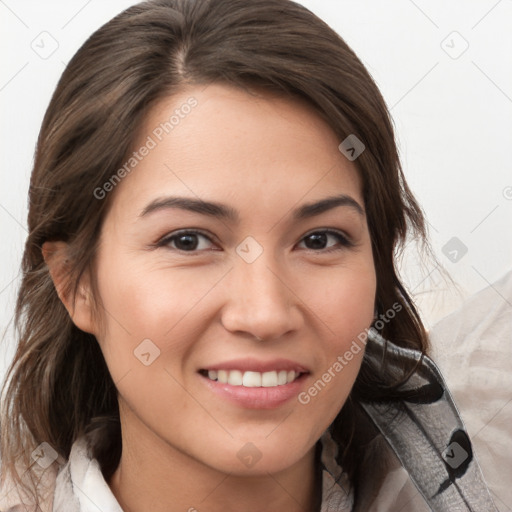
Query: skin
x,y
263,156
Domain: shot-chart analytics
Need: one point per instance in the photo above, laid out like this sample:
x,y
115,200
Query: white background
x,y
452,112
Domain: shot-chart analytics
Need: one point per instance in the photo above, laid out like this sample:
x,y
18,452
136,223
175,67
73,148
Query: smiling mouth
x,y
250,379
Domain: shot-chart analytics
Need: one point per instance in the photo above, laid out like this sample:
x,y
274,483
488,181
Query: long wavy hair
x,y
58,386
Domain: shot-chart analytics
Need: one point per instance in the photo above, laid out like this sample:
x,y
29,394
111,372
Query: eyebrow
x,y
222,211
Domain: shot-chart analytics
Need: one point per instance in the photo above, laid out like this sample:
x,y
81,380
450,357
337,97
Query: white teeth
x,y
269,379
235,378
253,379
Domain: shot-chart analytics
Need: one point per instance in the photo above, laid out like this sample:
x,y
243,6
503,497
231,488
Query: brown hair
x,y
60,386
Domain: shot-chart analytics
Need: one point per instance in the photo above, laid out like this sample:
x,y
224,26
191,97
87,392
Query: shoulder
x,y
473,348
73,472
83,473
16,499
395,492
55,484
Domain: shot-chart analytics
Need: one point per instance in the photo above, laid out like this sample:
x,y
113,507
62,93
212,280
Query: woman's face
x,y
211,242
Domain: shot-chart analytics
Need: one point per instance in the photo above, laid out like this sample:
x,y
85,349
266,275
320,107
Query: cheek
x,y
149,317
343,300
344,304
148,300
143,302
348,313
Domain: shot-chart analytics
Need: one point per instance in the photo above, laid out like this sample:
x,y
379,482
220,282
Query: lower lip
x,y
259,397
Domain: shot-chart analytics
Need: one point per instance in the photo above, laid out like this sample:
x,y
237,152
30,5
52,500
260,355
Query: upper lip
x,y
255,365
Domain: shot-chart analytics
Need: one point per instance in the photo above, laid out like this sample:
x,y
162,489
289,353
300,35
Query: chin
x,y
258,457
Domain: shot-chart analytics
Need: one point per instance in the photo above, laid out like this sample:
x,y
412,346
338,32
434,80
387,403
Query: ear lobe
x,y
55,254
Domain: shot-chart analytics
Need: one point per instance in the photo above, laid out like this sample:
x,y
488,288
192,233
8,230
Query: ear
x,y
55,254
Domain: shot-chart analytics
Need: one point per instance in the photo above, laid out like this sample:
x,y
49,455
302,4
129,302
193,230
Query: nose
x,y
261,303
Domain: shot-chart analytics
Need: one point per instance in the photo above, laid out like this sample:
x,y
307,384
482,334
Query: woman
x,y
209,282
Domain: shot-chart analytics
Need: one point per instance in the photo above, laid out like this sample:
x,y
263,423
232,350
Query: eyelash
x,y
343,240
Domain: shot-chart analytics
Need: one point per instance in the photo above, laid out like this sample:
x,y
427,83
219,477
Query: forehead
x,y
221,142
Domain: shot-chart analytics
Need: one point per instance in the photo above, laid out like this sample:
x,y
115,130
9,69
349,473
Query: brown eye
x,y
186,241
317,241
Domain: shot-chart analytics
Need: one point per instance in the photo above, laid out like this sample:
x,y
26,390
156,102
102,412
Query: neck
x,y
156,476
